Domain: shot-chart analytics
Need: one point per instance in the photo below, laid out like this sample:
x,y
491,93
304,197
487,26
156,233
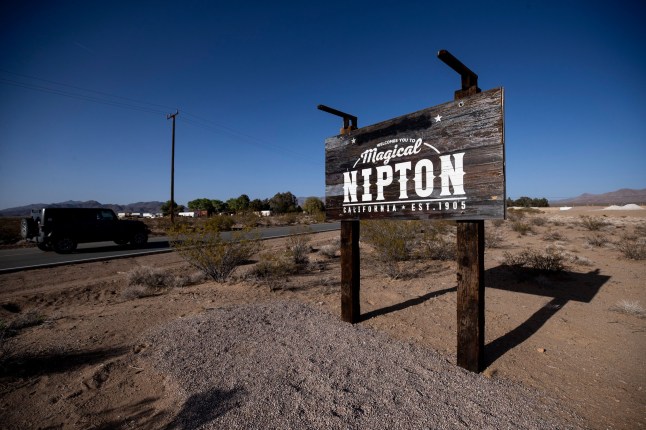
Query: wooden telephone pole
x,y
172,170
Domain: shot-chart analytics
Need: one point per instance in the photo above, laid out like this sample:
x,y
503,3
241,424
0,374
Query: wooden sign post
x,y
443,162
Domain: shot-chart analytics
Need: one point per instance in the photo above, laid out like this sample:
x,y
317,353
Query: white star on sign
x,y
438,118
354,140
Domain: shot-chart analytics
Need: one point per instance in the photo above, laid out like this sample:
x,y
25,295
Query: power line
x,y
142,106
141,102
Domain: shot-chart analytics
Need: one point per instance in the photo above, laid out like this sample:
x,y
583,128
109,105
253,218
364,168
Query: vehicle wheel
x,y
44,246
139,239
28,228
64,245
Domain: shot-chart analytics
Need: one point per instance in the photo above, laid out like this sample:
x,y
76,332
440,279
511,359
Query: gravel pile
x,y
284,365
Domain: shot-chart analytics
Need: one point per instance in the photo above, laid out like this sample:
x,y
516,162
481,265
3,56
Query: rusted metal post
x,y
470,258
350,257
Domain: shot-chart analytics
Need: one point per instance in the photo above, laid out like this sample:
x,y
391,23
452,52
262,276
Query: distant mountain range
x,y
142,207
619,197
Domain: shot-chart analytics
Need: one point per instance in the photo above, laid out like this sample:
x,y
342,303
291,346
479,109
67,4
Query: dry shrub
x,y
330,250
392,240
299,247
592,223
548,261
149,281
632,247
640,230
552,235
629,308
493,238
498,222
219,223
439,241
272,270
538,221
597,240
208,252
521,227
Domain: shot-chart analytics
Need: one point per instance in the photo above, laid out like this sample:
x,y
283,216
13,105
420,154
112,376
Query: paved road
x,y
12,260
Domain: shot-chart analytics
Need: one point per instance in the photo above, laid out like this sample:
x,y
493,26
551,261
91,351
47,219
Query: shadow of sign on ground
x,y
563,287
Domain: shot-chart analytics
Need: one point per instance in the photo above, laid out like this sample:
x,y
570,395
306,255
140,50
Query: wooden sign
x,y
444,162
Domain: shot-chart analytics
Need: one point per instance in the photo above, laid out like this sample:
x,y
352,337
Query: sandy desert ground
x,y
77,343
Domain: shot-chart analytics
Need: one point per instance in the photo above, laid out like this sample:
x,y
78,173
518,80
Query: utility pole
x,y
172,170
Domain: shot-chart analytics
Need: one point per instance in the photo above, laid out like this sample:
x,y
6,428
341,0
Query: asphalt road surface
x,y
12,260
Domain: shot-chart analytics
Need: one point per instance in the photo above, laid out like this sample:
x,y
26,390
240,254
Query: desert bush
x,y
219,223
498,222
299,246
633,248
493,238
272,270
329,250
548,261
538,221
247,220
439,248
641,230
148,281
521,227
392,240
597,240
31,318
208,252
592,223
629,308
552,235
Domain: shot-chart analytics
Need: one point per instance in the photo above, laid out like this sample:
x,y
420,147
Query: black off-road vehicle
x,y
62,229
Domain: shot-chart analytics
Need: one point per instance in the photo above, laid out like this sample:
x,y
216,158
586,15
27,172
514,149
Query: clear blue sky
x,y
85,88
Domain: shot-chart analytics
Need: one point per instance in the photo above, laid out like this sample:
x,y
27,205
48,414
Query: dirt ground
x,y
73,359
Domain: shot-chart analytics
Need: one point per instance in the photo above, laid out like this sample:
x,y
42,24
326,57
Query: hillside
x,y
619,197
131,207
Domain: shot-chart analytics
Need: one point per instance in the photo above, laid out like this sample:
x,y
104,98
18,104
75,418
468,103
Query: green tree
x,y
165,208
201,205
219,206
258,205
283,203
313,205
239,204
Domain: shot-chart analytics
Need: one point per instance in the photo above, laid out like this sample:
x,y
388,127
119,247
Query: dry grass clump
x,y
592,223
629,308
632,247
549,260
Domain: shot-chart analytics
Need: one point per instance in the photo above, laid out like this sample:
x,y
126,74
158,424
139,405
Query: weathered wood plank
x,y
350,272
449,153
470,295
